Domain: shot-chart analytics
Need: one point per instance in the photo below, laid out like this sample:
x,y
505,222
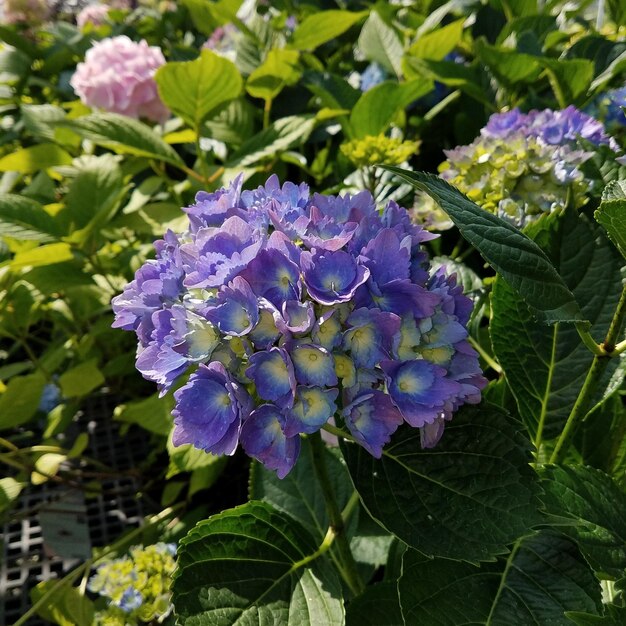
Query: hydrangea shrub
x,y
292,310
524,165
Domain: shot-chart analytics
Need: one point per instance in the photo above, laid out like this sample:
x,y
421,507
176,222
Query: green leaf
x,y
20,400
46,465
612,215
467,79
479,470
318,28
519,260
376,108
207,16
546,366
279,69
67,606
544,576
437,44
253,565
38,118
379,42
123,135
186,458
94,194
43,255
591,509
23,218
298,494
282,135
39,157
508,66
195,89
613,616
377,606
153,414
81,380
569,78
9,490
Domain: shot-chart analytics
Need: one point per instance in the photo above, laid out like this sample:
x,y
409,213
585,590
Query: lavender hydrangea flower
x,y
293,310
524,165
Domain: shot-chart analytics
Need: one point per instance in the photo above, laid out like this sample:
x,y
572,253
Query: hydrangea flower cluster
x,y
296,309
94,14
609,106
523,165
376,149
31,12
118,76
136,585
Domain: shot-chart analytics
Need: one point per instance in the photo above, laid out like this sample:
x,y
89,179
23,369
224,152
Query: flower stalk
x,y
598,367
337,524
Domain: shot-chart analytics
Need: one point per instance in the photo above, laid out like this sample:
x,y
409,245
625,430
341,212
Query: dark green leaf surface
x,y
378,605
544,576
298,494
467,498
612,216
546,366
511,253
245,566
595,509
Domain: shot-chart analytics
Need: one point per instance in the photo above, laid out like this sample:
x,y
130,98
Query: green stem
x,y
597,369
86,566
588,340
337,525
333,430
267,109
486,357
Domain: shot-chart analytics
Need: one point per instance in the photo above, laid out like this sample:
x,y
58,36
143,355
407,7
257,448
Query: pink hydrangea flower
x,y
30,12
95,14
118,76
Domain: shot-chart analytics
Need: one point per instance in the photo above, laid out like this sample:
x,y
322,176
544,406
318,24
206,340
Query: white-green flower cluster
x,y
136,586
522,166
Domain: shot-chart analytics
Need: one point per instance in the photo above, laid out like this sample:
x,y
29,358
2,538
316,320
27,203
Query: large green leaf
x,y
122,134
195,89
298,494
376,108
251,565
279,69
23,218
467,498
318,28
546,365
591,509
378,605
379,42
95,193
20,399
152,413
281,135
612,214
509,66
543,577
39,157
512,254
569,78
438,43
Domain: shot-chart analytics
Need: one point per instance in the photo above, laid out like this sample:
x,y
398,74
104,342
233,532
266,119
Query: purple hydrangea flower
x,y
293,311
209,410
263,437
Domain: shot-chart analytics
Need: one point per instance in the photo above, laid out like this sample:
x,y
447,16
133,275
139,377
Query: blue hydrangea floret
x,y
293,310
